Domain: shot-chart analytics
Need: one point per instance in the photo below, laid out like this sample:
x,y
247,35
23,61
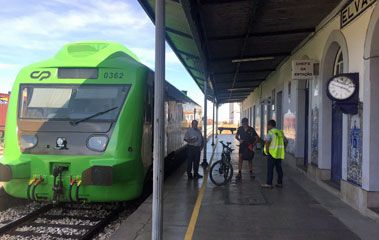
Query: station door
x,y
336,165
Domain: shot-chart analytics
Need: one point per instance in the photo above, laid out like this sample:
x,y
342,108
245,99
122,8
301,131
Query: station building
x,y
340,151
246,51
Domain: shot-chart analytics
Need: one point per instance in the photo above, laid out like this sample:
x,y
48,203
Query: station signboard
x,y
302,70
353,9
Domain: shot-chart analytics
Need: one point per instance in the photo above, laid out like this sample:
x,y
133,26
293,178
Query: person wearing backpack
x,y
275,147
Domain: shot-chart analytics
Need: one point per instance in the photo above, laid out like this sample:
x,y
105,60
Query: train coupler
x,y
58,186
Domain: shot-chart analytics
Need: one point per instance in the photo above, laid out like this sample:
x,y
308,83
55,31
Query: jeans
x,y
193,157
271,163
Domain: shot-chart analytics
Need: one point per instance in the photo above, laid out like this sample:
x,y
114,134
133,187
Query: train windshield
x,y
71,102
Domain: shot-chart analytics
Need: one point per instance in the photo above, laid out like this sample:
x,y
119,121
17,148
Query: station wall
x,y
310,133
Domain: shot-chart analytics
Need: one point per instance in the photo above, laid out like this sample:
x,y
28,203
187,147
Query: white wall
x,y
354,35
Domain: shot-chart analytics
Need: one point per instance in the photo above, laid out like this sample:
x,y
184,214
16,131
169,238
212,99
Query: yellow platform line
x,y
196,210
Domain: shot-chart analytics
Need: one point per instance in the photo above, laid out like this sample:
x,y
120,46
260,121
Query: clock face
x,y
341,88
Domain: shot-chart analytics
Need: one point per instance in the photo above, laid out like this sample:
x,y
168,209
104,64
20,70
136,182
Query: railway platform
x,y
197,209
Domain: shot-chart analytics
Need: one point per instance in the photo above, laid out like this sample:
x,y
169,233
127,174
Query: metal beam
x,y
264,34
277,55
226,87
235,92
199,78
246,72
234,95
258,80
182,34
194,69
237,95
159,121
233,100
187,54
208,2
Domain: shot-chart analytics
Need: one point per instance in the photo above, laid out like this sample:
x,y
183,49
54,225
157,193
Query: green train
x,y
79,126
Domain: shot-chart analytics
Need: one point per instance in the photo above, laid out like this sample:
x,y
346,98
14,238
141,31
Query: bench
x,y
227,128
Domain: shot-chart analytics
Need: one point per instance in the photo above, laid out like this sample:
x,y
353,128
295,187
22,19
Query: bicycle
x,y
222,171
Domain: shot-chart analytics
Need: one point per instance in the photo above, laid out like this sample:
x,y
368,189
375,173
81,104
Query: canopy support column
x,y
205,163
216,120
213,124
159,121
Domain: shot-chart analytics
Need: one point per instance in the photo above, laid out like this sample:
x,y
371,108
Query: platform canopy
x,y
235,44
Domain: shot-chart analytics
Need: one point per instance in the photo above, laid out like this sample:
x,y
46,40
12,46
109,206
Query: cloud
x,y
76,19
36,30
6,66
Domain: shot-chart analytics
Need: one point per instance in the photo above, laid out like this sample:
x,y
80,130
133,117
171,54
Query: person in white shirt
x,y
195,141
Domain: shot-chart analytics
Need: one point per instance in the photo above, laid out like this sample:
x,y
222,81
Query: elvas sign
x,y
353,9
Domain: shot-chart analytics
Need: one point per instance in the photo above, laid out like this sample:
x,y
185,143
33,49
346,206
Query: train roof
x,y
96,53
175,93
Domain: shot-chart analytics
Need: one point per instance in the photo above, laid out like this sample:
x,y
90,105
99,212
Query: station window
x,y
338,64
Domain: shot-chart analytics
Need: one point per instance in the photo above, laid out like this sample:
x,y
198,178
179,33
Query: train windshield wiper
x,y
74,123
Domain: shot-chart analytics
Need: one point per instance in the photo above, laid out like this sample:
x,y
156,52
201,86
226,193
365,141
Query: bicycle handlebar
x,y
226,146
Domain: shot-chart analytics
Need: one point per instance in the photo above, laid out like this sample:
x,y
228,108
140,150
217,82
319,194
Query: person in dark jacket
x,y
248,137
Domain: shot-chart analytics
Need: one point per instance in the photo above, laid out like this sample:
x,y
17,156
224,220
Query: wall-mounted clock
x,y
343,90
341,87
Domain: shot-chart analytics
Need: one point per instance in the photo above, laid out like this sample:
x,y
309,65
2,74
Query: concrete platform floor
x,y
242,210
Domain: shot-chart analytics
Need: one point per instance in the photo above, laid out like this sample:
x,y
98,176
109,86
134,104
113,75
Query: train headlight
x,y
97,143
28,141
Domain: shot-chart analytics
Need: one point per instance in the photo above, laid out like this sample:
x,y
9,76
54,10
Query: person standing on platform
x,y
275,148
195,141
248,137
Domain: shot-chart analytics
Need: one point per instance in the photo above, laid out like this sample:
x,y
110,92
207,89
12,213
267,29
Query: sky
x,y
34,30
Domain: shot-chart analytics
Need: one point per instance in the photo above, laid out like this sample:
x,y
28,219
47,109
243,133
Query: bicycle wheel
x,y
221,172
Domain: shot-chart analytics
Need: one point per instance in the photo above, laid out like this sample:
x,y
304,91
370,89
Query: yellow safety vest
x,y
276,146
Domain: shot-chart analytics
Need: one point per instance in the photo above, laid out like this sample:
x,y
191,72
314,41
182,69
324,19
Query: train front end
x,y
74,127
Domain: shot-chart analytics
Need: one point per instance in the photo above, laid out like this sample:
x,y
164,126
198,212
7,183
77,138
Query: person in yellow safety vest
x,y
275,146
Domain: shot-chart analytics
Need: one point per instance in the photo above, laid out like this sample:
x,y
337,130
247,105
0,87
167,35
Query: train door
x,y
336,161
147,136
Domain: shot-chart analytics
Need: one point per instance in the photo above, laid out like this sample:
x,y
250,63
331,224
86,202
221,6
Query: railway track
x,y
65,221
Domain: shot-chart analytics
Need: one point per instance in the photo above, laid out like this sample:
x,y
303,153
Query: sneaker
x,y
190,176
239,175
197,176
252,175
279,185
266,185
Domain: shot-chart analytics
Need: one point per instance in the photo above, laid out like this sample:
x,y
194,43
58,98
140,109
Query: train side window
x,y
180,112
